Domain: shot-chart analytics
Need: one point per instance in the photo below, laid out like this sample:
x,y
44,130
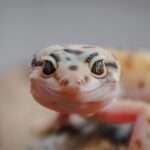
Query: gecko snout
x,y
71,86
75,82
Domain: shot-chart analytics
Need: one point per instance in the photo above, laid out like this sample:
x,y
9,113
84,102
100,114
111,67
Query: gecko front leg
x,y
61,120
127,111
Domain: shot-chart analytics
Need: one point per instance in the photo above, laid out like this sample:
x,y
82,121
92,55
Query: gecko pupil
x,y
98,67
48,68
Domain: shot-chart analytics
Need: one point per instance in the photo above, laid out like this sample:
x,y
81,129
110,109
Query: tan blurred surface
x,y
19,114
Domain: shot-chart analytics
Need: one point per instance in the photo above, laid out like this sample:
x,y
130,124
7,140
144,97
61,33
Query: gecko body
x,y
85,80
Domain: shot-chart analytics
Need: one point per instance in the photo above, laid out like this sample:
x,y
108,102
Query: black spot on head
x,y
86,78
68,58
90,57
72,51
111,64
35,62
55,56
73,67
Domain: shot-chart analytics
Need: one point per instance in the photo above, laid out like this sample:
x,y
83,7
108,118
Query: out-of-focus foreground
x,y
21,117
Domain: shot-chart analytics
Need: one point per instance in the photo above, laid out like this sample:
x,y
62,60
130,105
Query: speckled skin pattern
x,y
103,84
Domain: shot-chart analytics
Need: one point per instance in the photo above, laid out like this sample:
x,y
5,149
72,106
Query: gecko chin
x,y
72,100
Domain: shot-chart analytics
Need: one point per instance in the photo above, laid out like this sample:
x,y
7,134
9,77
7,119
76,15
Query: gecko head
x,y
74,78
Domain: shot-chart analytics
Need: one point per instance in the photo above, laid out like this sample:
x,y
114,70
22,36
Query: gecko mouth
x,y
71,102
77,92
72,91
73,94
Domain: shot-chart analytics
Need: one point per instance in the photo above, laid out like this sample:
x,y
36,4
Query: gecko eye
x,y
98,69
48,68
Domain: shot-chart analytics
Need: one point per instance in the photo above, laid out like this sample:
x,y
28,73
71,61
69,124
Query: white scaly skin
x,y
73,88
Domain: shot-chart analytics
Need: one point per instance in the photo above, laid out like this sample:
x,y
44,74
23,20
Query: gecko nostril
x,y
64,82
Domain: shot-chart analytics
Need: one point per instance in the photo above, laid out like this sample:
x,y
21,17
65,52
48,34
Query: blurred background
x,y
27,26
